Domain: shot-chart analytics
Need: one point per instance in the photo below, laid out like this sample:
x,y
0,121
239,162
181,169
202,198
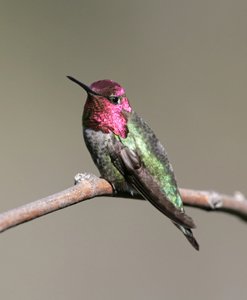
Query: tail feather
x,y
189,236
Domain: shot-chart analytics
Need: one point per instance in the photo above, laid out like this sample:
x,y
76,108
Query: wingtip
x,y
185,220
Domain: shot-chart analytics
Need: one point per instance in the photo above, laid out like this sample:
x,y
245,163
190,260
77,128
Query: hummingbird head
x,y
106,108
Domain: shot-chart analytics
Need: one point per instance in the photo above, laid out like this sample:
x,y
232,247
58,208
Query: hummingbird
x,y
128,154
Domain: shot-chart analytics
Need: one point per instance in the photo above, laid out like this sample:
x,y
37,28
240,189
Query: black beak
x,y
84,86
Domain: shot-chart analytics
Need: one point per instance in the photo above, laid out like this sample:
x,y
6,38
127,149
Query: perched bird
x,y
128,154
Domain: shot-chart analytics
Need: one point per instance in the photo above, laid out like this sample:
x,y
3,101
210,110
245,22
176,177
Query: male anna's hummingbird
x,y
128,154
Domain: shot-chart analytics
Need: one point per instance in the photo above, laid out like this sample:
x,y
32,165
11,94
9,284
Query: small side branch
x,y
91,186
213,201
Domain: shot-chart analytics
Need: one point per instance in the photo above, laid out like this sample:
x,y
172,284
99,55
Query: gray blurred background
x,y
184,66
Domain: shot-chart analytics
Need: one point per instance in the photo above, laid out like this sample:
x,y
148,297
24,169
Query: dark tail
x,y
189,236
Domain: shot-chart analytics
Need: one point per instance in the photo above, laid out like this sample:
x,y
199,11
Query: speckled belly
x,y
97,144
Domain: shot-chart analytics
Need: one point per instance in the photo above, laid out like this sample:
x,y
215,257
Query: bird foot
x,y
83,176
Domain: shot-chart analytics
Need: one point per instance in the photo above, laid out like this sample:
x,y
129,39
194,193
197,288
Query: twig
x,y
91,186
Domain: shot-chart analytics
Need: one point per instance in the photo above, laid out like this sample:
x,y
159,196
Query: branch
x,y
91,186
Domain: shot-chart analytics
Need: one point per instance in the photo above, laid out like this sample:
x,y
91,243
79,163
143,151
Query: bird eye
x,y
115,99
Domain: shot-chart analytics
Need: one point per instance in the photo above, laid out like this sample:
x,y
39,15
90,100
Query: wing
x,y
133,169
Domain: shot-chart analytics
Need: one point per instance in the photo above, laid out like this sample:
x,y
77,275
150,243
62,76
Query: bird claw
x,y
80,177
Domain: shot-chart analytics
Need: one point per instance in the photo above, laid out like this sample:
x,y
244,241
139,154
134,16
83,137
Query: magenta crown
x,y
107,88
